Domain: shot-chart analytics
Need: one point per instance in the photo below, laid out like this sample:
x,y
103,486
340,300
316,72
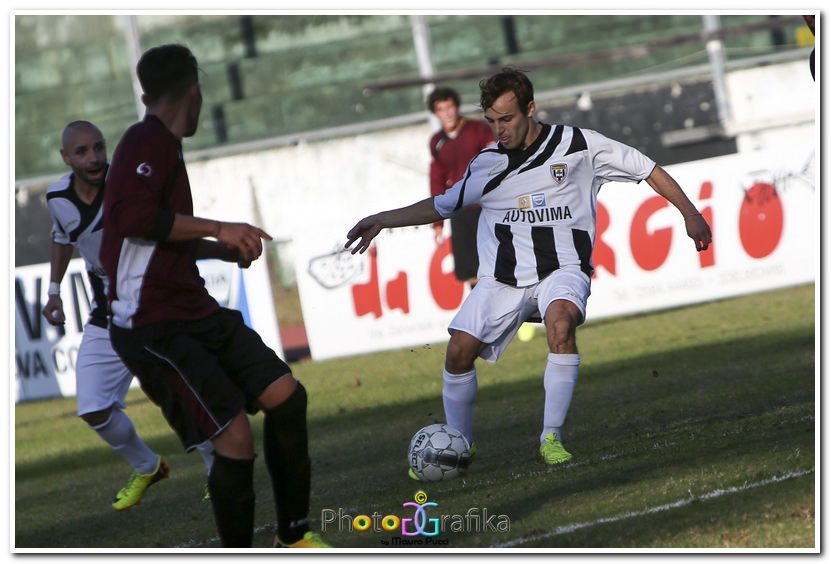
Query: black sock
x,y
231,485
285,443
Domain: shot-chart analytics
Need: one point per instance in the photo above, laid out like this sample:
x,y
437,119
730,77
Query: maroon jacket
x,y
451,156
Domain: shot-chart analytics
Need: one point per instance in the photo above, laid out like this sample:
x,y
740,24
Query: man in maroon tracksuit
x,y
452,148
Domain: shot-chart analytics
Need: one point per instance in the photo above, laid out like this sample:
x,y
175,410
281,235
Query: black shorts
x,y
201,373
463,240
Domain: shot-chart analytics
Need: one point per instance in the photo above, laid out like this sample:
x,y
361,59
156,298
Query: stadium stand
x,y
274,75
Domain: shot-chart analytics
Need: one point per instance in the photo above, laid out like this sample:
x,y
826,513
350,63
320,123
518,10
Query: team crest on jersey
x,y
558,172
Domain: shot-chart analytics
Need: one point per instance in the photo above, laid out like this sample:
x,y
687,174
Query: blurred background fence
x,y
269,76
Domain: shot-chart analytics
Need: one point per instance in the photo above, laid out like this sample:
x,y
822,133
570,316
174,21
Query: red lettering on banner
x,y
708,257
367,297
760,220
397,293
446,289
603,254
650,250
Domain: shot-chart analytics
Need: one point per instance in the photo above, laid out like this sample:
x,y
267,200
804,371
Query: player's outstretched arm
x,y
368,228
696,225
209,249
243,238
53,310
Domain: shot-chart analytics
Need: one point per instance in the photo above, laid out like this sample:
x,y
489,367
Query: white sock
x,y
459,395
559,381
119,433
206,451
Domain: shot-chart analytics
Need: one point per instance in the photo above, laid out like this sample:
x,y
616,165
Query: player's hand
x,y
698,231
245,238
53,310
366,230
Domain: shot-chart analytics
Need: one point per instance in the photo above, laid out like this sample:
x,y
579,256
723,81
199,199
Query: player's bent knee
x,y
561,333
278,391
97,418
462,351
236,440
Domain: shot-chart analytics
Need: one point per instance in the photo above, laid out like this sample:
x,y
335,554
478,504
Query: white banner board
x,y
402,292
761,206
45,355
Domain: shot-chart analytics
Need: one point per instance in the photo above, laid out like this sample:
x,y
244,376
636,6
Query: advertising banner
x,y
761,206
45,355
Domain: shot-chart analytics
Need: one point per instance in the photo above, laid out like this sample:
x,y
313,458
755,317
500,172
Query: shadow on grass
x,y
359,456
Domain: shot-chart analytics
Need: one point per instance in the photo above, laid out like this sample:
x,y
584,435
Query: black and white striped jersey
x,y
539,204
77,223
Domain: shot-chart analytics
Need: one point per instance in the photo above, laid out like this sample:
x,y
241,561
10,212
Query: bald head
x,y
83,149
75,127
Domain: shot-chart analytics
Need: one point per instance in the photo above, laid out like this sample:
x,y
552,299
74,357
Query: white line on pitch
x,y
565,529
517,476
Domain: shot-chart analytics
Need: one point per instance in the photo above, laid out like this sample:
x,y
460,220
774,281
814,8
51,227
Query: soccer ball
x,y
438,452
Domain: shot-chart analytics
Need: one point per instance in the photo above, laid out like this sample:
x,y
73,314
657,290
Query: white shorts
x,y
494,312
101,379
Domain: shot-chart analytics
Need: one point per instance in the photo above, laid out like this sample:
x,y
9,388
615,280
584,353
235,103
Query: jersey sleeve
x,y
616,162
138,175
470,189
59,234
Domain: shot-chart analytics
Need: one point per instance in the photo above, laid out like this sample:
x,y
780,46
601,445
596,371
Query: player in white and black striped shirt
x,y
101,379
537,187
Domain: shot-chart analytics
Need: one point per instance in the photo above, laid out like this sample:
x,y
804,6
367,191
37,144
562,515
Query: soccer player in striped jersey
x,y
537,186
101,379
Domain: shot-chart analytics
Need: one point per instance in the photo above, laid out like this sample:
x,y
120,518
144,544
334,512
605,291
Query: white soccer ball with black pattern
x,y
438,452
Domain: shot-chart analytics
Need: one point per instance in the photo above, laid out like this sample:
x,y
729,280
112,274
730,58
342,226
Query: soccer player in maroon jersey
x,y
196,360
452,147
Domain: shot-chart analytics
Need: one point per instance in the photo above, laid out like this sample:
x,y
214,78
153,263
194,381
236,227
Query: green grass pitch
x,y
691,428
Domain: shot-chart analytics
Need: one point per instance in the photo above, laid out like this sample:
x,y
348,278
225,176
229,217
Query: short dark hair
x,y
508,79
166,70
440,94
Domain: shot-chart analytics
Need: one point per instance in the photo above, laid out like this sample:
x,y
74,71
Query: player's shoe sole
x,y
309,540
131,494
411,473
552,450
